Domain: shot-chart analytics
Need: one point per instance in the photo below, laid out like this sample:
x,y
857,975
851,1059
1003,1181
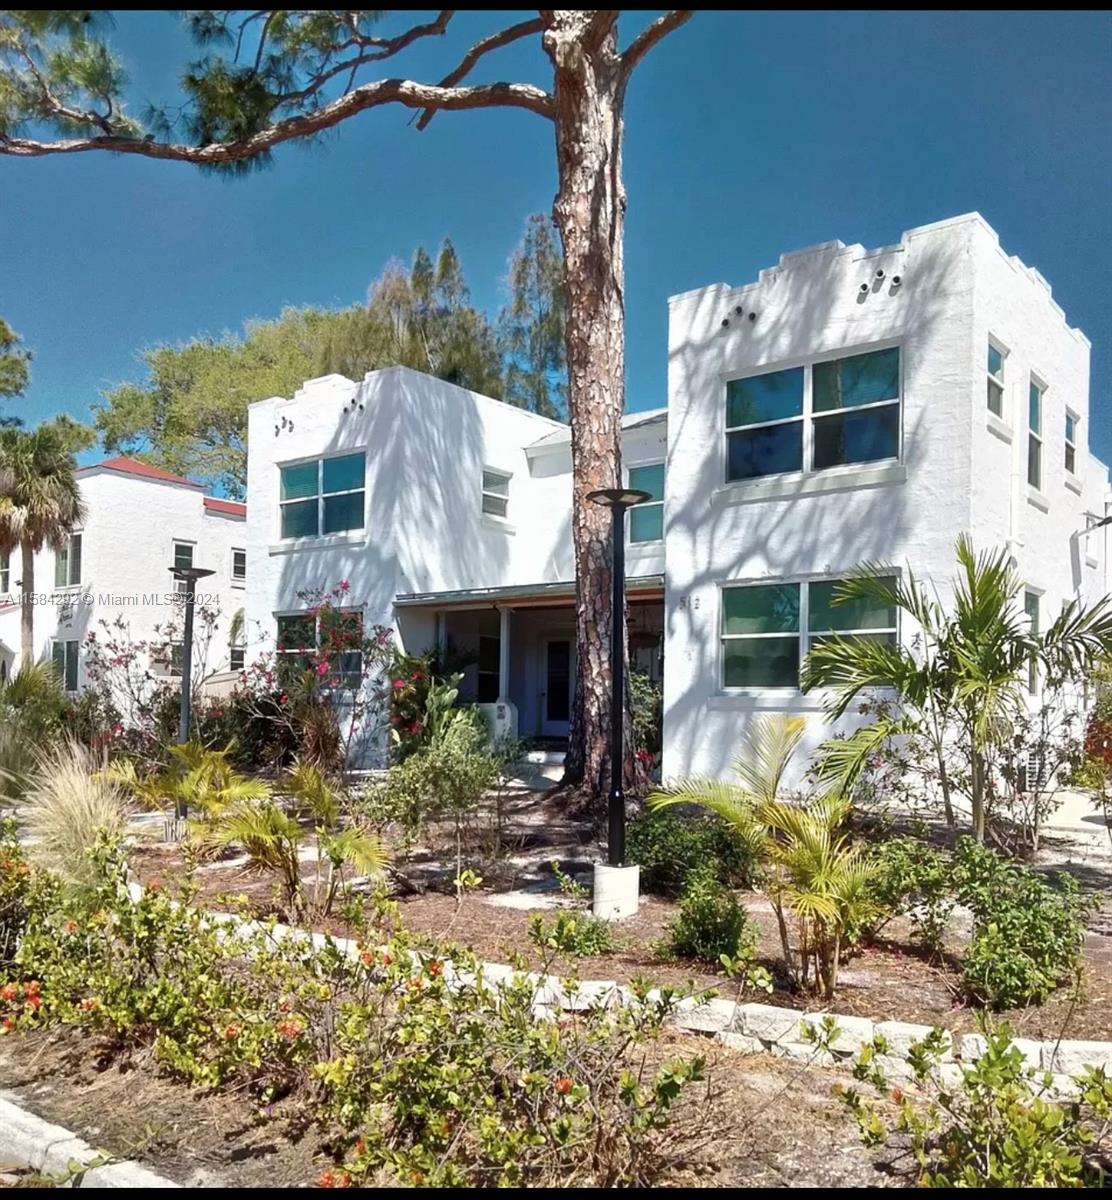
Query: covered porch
x,y
515,648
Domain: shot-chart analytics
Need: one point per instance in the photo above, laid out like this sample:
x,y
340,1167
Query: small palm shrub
x,y
996,1126
816,879
274,840
669,845
710,923
1027,936
70,802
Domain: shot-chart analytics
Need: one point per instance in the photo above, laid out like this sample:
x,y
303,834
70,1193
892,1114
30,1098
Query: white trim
x,y
357,537
237,581
998,428
999,380
1037,500
492,493
799,483
320,495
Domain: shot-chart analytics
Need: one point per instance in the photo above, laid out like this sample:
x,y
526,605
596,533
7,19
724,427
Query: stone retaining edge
x,y
50,1150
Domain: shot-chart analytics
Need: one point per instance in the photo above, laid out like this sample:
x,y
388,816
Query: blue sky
x,y
747,135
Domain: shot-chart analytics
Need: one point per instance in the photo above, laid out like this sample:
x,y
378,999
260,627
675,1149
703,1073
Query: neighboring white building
x,y
139,521
851,406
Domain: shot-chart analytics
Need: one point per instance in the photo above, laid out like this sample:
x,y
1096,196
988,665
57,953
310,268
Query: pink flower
x,y
322,668
344,586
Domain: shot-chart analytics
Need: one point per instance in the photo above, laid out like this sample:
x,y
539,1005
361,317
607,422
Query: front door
x,y
559,678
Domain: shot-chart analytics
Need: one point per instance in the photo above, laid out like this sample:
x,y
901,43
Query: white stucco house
x,y
849,406
140,520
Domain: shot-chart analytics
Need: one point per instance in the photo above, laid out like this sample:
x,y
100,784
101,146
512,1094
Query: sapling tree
x,y
269,77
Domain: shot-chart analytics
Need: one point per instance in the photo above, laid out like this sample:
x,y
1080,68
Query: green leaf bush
x,y
669,845
710,923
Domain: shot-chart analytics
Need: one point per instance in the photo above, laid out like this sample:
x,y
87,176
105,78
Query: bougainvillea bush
x,y
413,1067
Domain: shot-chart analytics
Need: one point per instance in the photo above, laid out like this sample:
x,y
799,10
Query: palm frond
x,y
770,744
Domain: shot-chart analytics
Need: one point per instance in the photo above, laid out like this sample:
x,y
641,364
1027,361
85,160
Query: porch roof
x,y
644,587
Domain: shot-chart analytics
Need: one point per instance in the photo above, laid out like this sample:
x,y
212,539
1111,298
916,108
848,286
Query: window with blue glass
x,y
323,496
646,521
829,414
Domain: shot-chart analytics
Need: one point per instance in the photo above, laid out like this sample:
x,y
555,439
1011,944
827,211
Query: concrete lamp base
x,y
616,892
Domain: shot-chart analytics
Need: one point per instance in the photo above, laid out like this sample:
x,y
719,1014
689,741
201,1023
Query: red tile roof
x,y
230,507
132,466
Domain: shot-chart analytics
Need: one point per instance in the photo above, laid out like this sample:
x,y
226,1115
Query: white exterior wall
x,y
951,477
126,551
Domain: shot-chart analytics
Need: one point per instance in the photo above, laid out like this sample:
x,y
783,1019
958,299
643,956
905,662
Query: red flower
x,y
435,968
34,999
231,1032
89,1004
153,885
367,958
344,586
290,1029
33,987
386,960
399,684
322,668
417,675
10,991
562,1085
328,1179
71,927
8,1024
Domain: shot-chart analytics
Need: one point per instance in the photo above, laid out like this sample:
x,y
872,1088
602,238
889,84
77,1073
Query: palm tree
x,y
963,682
40,503
811,872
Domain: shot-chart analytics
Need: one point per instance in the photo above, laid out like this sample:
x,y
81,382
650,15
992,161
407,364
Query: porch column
x,y
504,654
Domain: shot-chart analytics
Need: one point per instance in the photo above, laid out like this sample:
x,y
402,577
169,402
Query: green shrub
x,y
647,704
416,1069
710,923
576,933
912,878
668,845
995,1127
1027,937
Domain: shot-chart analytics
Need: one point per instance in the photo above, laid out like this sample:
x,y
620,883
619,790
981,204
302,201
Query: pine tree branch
x,y
496,41
406,92
651,34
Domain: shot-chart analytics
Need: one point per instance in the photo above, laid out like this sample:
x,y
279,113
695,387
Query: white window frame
x,y
1036,594
1071,446
181,586
804,633
238,581
320,496
1091,557
233,652
496,493
992,380
654,462
74,536
69,645
5,572
808,416
355,610
1035,437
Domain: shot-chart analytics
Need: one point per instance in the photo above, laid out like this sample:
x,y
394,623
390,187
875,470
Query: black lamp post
x,y
618,500
188,576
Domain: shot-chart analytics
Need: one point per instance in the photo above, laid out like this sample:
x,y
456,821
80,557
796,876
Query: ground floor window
x,y
64,656
332,636
490,652
768,628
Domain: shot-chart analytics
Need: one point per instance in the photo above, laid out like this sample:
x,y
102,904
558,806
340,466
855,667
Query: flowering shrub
x,y
411,677
413,1066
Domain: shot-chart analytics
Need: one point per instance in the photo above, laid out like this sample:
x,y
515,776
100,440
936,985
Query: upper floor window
x,y
768,628
1071,442
1034,434
239,566
67,563
496,492
5,572
65,657
323,496
183,561
996,358
830,414
646,521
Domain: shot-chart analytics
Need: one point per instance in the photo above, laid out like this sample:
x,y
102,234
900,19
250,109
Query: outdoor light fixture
x,y
616,885
189,576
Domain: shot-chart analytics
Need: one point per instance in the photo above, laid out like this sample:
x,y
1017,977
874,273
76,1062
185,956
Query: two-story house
x,y
851,406
140,521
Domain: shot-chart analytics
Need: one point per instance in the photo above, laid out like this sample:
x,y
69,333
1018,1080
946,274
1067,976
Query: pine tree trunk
x,y
27,611
589,213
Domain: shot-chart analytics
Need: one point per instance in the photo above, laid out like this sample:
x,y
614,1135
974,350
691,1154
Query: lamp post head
x,y
618,498
190,574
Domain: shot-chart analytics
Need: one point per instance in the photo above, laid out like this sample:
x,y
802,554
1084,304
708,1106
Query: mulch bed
x,y
888,980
